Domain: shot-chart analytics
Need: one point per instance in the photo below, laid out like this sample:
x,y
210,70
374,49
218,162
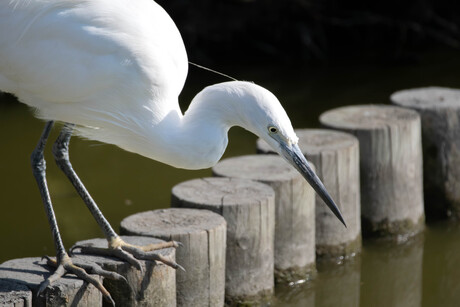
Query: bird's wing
x,y
63,56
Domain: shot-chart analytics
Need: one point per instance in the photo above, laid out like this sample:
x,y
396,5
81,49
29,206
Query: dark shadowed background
x,y
315,31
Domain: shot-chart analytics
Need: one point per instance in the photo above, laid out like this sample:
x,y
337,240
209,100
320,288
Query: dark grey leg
x,y
117,247
61,155
39,170
63,263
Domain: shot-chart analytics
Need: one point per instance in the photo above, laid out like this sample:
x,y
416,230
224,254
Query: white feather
x,y
115,68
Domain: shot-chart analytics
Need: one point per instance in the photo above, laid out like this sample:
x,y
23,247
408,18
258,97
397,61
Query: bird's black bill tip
x,y
322,192
318,186
340,217
296,157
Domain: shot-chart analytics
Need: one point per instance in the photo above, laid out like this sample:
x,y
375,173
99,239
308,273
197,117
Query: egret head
x,y
263,115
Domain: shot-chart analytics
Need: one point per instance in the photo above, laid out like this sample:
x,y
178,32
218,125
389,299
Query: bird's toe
x,y
65,265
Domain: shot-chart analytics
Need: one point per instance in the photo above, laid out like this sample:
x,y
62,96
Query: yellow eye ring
x,y
272,129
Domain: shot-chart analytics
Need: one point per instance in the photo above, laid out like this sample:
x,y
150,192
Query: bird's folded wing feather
x,y
63,56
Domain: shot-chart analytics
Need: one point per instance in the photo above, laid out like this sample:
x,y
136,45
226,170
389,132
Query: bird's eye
x,y
272,129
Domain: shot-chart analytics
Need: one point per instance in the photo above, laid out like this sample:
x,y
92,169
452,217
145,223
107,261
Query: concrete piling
x,y
391,166
202,234
248,208
294,211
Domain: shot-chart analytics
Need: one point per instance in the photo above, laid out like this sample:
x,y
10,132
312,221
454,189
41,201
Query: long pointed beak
x,y
295,157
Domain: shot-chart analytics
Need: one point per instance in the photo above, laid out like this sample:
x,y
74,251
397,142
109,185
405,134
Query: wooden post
x,y
391,166
156,286
336,159
13,294
24,276
202,234
439,109
248,208
294,211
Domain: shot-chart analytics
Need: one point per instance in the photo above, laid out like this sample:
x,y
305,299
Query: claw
x,y
60,271
64,266
129,253
89,268
129,258
116,252
71,250
50,261
97,270
180,267
155,246
140,254
88,278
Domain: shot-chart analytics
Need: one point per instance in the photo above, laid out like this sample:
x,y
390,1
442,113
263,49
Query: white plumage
x,y
116,68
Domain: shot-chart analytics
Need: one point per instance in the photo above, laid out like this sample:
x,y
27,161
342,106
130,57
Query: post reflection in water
x,y
421,272
300,294
392,274
339,285
441,269
334,285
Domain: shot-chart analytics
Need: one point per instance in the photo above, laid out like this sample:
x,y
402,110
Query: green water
x,y
423,272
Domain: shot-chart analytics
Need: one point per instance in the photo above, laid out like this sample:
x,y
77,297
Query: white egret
x,y
112,71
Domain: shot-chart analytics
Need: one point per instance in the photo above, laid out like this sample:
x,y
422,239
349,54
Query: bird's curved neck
x,y
198,138
194,140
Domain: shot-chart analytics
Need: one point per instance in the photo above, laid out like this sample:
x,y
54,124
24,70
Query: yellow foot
x,y
132,253
65,265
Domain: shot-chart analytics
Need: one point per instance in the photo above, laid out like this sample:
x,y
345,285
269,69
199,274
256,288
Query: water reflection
x,y
339,285
392,274
421,272
441,269
302,294
334,285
